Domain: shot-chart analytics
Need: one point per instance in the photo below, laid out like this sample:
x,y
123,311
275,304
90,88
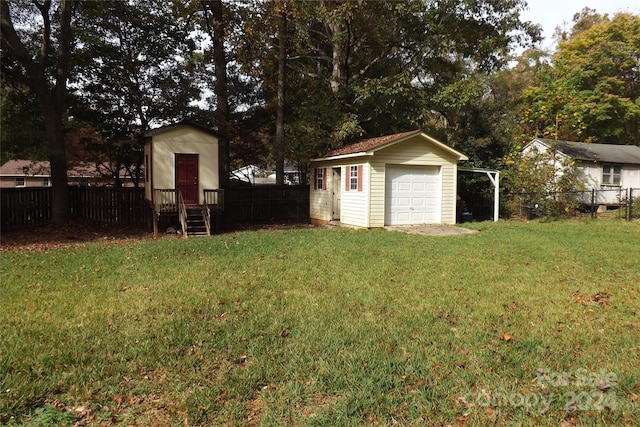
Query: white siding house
x,y
609,169
401,179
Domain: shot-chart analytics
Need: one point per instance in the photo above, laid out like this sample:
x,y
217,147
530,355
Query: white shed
x,y
401,179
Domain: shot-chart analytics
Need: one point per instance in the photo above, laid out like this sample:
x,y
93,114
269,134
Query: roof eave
x,y
343,156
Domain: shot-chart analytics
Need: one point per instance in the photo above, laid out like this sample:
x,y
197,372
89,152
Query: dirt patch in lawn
x,y
431,229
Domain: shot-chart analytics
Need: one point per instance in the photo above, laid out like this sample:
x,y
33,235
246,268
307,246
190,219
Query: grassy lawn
x,y
520,324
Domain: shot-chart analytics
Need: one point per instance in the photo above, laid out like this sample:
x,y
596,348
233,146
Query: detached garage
x,y
402,179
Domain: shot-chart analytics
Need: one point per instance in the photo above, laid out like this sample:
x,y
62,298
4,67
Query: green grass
x,y
327,327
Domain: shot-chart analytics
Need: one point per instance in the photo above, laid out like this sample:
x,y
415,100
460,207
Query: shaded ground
x,y
50,236
46,237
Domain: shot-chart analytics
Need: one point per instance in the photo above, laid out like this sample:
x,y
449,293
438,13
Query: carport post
x,y
496,197
495,180
494,177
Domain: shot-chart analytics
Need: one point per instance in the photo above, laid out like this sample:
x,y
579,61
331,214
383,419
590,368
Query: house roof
x,y
369,146
25,167
42,169
152,132
605,153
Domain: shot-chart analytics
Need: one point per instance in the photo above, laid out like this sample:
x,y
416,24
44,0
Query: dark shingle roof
x,y
369,144
606,153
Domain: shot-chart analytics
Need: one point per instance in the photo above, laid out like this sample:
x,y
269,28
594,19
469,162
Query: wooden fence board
x,y
267,203
24,207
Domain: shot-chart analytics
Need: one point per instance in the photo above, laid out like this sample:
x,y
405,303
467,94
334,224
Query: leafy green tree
x,y
591,90
21,123
367,68
133,72
38,38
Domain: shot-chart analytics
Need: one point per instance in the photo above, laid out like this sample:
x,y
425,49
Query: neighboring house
x,y
25,173
608,168
401,179
28,173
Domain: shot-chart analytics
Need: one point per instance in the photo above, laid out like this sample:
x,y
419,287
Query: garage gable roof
x,y
370,146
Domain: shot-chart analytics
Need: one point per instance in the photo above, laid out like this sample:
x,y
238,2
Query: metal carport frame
x,y
494,177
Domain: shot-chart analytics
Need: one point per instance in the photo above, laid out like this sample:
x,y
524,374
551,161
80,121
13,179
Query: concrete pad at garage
x,y
431,229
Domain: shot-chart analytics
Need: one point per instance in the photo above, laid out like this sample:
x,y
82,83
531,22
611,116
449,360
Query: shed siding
x,y
320,200
413,152
185,139
354,205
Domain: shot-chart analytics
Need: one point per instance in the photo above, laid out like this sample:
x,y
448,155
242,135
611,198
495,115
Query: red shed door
x,y
187,177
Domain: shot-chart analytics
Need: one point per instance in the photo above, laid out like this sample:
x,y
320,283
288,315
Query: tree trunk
x,y
60,200
282,63
338,70
217,28
50,88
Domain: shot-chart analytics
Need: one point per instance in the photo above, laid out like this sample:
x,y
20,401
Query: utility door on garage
x,y
412,195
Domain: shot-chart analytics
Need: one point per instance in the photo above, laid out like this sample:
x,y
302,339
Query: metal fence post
x,y
630,204
593,203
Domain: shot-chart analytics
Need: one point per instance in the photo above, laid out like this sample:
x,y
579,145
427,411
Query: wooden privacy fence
x,y
267,203
121,206
24,207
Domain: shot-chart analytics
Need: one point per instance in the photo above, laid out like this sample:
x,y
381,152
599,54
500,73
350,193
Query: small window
x,y
320,178
353,177
46,182
20,182
611,174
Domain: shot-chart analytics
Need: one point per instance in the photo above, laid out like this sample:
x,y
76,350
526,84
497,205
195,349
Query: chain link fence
x,y
617,202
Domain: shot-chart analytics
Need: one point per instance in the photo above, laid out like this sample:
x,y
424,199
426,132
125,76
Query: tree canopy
x,y
290,80
591,90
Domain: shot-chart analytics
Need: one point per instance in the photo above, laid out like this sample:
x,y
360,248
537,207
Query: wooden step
x,y
195,222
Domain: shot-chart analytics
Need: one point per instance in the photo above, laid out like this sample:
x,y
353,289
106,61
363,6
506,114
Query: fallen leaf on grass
x,y
599,299
506,337
284,332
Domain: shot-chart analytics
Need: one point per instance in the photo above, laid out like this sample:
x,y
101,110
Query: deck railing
x,y
165,200
182,213
213,203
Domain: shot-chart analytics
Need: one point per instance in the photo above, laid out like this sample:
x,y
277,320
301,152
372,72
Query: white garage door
x,y
412,195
